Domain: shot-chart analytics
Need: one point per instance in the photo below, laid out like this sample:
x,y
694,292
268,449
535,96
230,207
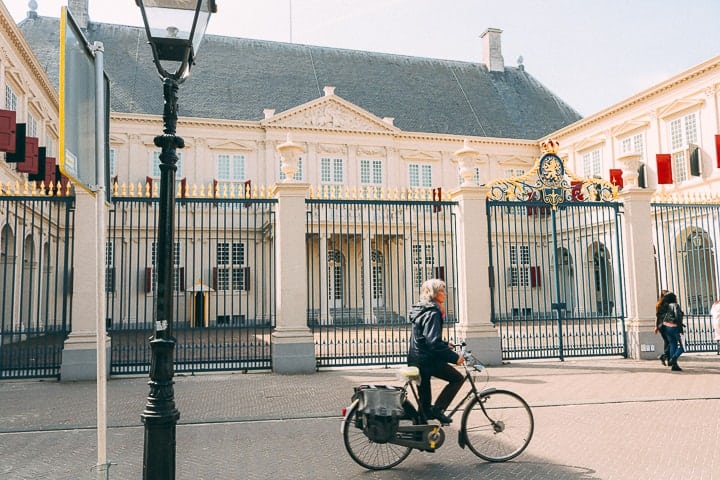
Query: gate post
x,y
473,267
80,355
643,343
293,346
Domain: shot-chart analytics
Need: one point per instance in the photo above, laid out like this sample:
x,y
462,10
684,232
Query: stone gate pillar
x,y
639,269
475,326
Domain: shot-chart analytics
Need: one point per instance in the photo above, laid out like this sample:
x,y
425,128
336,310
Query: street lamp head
x,y
175,29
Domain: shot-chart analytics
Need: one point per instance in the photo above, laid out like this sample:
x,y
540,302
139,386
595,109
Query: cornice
x,y
705,68
21,47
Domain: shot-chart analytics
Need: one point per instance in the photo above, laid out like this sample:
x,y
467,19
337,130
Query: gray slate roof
x,y
237,78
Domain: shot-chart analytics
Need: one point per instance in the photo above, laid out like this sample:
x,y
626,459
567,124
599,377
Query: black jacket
x,y
426,343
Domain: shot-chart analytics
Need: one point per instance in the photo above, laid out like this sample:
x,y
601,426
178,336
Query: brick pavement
x,y
595,419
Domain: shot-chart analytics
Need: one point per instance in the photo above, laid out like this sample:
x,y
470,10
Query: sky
x,y
591,53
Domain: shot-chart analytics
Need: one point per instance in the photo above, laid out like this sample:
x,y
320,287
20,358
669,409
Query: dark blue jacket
x,y
426,343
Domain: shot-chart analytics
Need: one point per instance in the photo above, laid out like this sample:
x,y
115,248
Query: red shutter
x,y
30,162
576,191
50,177
247,189
717,150
664,168
616,177
148,279
19,152
183,187
7,131
181,279
246,278
437,197
149,182
535,276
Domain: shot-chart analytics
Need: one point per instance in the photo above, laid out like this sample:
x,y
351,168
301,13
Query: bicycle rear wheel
x,y
503,430
369,454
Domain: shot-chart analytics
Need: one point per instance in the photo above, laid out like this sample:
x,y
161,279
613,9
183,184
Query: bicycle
x,y
497,425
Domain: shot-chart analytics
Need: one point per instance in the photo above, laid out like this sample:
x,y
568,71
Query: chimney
x,y
79,11
492,52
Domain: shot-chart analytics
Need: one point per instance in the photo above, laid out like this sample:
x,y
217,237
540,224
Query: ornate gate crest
x,y
551,182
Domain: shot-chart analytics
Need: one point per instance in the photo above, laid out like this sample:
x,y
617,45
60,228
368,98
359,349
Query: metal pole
x,y
102,466
160,415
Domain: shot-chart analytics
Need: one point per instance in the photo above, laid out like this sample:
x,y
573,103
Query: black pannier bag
x,y
379,410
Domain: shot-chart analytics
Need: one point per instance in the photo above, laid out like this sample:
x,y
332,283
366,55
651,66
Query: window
x,y
32,126
520,273
231,273
155,169
10,99
420,175
514,172
151,275
298,175
634,144
49,145
371,172
230,168
109,269
111,162
591,164
423,259
332,170
683,139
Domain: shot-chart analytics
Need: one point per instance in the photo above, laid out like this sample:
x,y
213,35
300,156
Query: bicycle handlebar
x,y
470,360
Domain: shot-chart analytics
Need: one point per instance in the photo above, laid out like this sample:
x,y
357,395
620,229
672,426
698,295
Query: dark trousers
x,y
442,371
666,343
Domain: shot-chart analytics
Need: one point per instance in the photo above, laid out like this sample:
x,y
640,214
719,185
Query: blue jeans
x,y
673,337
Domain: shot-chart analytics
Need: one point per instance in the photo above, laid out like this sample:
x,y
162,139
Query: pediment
x,y
680,106
515,161
330,113
629,127
588,143
117,139
420,156
229,145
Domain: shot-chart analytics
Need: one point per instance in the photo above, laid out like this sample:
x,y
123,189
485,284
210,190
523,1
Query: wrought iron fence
x,y
224,282
687,235
367,257
36,249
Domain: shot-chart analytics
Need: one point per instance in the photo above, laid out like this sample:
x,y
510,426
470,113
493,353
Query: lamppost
x,y
174,29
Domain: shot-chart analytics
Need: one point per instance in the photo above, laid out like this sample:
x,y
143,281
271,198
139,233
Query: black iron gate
x,y
556,264
224,283
36,248
367,259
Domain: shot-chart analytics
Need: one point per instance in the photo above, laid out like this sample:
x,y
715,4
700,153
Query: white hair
x,y
430,289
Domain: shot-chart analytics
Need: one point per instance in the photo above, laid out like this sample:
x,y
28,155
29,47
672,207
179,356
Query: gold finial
x,y
551,146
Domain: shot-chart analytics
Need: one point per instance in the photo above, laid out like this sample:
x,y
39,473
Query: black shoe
x,y
438,414
675,368
663,359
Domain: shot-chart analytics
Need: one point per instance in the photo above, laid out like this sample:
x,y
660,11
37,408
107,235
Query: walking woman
x,y
672,326
658,328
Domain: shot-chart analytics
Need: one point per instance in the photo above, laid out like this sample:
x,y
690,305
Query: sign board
x,y
78,90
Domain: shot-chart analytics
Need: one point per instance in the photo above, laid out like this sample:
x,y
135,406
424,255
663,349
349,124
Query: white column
x,y
367,275
293,349
641,291
323,316
475,326
79,357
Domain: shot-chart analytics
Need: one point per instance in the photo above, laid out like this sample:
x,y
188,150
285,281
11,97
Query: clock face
x,y
551,170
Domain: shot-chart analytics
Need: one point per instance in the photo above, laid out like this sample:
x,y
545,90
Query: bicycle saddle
x,y
410,373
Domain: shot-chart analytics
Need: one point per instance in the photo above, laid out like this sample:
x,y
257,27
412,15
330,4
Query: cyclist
x,y
430,353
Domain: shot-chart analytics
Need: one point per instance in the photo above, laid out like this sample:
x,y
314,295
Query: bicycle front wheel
x,y
499,429
369,454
